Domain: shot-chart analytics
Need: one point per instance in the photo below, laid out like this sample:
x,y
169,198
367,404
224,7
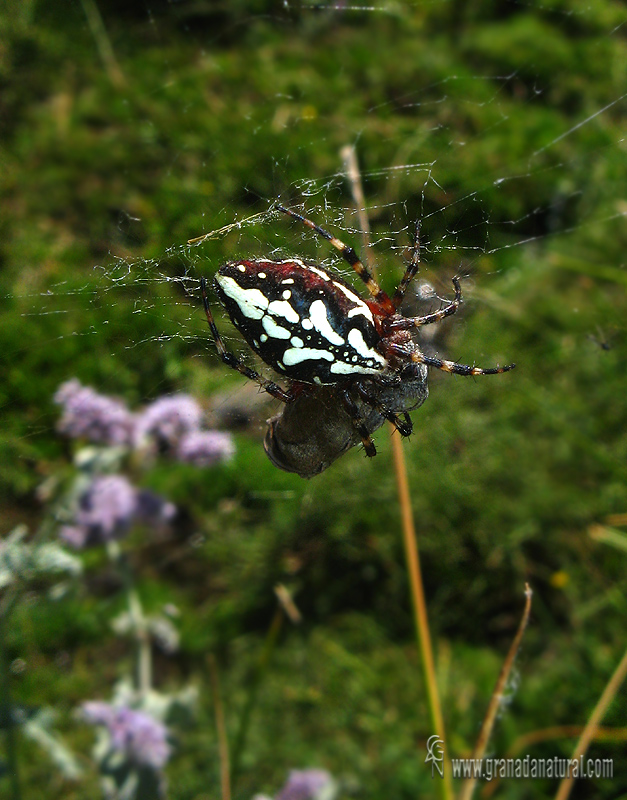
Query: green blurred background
x,y
128,128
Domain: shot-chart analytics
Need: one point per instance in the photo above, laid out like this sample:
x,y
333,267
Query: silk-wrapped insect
x,y
308,434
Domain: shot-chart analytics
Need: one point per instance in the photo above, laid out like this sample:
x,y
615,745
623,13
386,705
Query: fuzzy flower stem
x,y
6,705
144,655
138,618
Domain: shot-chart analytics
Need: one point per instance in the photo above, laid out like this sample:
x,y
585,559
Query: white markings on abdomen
x,y
360,307
356,341
281,308
273,330
251,302
319,272
363,310
341,368
320,320
295,355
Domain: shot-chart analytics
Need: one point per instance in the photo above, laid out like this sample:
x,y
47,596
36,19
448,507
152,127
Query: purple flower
x,y
170,425
89,415
105,512
109,507
305,784
168,419
205,448
140,737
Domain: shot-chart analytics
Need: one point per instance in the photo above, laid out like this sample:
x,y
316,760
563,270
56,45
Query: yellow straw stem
x,y
590,730
409,533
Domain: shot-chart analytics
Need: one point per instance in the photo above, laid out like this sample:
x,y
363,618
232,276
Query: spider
x,y
314,329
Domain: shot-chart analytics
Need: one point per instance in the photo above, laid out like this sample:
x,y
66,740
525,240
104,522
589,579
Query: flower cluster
x,y
168,419
204,448
172,425
141,738
93,416
306,784
108,508
110,505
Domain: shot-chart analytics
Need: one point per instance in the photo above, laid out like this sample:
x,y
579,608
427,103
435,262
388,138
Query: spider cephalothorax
x,y
314,330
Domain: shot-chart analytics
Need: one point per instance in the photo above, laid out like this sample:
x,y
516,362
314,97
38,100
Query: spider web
x,y
494,184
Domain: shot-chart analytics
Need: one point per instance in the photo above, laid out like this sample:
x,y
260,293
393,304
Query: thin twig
x,y
417,589
419,604
223,744
590,730
103,42
497,696
227,228
287,604
353,174
409,532
527,740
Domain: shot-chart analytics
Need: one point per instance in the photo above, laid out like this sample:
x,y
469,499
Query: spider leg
x,y
410,272
350,256
404,428
236,363
404,323
447,366
358,422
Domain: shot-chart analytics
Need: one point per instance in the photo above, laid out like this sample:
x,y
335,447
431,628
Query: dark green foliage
x,y
224,107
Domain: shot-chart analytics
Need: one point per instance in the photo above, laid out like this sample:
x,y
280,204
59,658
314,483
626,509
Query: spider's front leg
x,y
415,356
404,428
410,272
231,360
407,323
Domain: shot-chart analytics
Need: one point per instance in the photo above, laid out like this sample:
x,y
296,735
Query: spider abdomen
x,y
303,322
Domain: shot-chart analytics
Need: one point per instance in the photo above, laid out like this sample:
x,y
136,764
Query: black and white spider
x,y
314,330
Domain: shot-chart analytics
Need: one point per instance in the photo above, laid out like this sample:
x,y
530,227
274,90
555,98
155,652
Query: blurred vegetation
x,y
206,113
